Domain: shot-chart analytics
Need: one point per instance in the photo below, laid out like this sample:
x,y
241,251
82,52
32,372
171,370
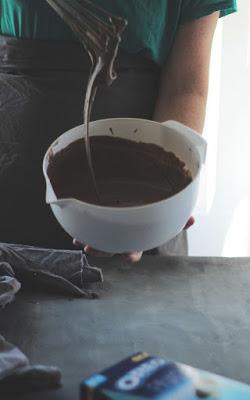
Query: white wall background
x,y
223,211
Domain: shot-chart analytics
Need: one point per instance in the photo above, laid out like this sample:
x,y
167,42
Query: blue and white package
x,y
143,377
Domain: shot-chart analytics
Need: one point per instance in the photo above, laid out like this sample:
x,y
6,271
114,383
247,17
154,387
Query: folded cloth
x,y
62,271
9,286
16,373
67,272
11,359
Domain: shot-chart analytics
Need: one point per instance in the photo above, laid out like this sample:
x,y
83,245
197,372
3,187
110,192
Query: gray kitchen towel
x,y
62,271
11,359
9,286
16,373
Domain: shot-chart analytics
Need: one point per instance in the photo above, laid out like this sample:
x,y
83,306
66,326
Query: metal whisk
x,y
96,29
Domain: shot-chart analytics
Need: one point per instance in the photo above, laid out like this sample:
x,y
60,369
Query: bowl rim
x,y
103,207
130,208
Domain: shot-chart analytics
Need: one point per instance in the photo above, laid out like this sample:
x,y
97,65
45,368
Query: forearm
x,y
184,81
187,108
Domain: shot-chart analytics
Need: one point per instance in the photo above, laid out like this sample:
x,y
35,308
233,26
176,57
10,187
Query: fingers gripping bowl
x,y
125,229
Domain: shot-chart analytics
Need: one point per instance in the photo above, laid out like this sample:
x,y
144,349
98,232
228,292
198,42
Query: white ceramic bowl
x,y
120,230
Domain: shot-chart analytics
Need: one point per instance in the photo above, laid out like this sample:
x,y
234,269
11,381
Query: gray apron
x,y
42,86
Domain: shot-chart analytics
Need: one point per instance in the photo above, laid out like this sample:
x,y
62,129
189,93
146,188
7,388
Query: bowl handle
x,y
194,137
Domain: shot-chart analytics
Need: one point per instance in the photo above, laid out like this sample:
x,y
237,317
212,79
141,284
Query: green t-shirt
x,y
151,27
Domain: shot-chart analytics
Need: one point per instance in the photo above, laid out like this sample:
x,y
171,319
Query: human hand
x,y
132,257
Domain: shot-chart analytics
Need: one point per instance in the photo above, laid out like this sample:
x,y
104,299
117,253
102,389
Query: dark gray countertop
x,y
193,310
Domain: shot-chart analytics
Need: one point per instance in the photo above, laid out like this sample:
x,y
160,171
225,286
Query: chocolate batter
x,y
127,173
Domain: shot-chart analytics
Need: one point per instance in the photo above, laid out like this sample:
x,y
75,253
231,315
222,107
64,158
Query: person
x,y
162,66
